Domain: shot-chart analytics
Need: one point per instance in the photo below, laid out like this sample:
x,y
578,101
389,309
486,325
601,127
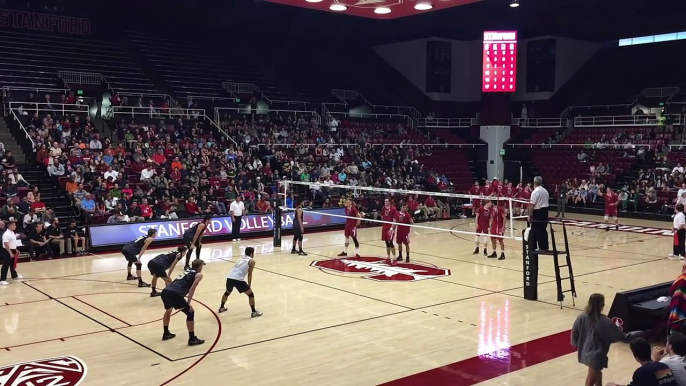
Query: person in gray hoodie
x,y
592,335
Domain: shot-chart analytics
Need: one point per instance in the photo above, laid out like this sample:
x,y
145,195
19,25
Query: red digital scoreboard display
x,y
499,73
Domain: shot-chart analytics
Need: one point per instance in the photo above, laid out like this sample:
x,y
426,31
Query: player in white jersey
x,y
236,279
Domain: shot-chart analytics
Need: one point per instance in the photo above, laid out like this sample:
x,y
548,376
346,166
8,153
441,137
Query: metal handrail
x,y
604,146
247,110
660,92
56,107
21,125
432,145
211,98
156,111
243,88
224,133
37,89
620,120
565,113
539,122
446,123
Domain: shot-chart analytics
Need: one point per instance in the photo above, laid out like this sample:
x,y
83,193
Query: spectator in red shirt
x,y
431,208
412,204
37,205
159,159
192,207
175,176
146,209
216,181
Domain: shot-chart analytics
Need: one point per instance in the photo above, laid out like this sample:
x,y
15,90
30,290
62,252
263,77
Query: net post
x,y
277,218
511,217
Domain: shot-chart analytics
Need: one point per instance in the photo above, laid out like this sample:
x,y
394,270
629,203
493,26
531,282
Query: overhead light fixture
x,y
382,10
338,7
514,4
314,1
423,6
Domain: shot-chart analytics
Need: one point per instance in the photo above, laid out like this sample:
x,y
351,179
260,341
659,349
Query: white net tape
x,y
509,203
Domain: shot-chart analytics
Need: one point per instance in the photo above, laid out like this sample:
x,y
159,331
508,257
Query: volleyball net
x,y
431,207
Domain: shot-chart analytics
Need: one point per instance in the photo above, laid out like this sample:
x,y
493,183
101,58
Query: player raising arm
x,y
351,224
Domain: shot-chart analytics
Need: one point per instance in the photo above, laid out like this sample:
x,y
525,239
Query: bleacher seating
x,y
33,60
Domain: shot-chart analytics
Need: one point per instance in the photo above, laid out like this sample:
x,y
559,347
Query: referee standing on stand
x,y
538,216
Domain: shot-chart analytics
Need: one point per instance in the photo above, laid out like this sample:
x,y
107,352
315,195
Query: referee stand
x,y
531,258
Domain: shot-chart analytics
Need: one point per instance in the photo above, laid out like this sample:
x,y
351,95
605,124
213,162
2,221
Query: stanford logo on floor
x,y
378,269
622,228
61,371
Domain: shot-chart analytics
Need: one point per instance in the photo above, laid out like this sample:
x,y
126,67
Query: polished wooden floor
x,y
322,327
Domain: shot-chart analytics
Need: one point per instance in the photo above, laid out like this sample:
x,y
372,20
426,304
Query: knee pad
x,y
357,243
130,264
389,244
252,295
139,266
190,315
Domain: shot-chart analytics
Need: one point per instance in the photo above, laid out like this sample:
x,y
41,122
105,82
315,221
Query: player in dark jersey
x,y
351,225
173,298
404,219
298,229
159,265
192,238
133,251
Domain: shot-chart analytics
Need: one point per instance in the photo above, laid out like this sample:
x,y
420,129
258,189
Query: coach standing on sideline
x,y
236,209
538,215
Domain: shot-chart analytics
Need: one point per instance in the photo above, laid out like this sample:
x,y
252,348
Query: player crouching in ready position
x,y
173,298
351,223
236,279
403,234
483,221
498,218
159,265
133,252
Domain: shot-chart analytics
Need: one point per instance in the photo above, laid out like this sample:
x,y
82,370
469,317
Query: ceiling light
x,y
314,1
338,7
514,4
423,6
382,10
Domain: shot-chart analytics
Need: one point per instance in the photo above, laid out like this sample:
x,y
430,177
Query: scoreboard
x,y
499,72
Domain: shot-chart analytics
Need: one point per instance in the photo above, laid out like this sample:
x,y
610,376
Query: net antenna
x,y
286,187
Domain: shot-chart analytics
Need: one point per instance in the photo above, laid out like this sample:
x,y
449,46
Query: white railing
x,y
660,92
248,88
431,145
410,122
621,120
446,123
144,95
37,90
211,98
539,122
561,146
247,110
565,113
155,112
409,110
21,125
344,95
55,108
224,133
79,77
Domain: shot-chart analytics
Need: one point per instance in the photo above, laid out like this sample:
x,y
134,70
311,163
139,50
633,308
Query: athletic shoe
x,y
4,283
154,294
672,256
301,253
607,229
294,252
485,253
407,259
492,255
617,227
187,268
143,284
476,251
223,309
131,277
681,257
342,254
195,342
357,255
18,278
502,256
256,314
400,258
168,336
236,240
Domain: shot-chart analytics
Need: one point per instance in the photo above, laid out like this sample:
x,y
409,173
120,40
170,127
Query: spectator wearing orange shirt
x,y
262,205
176,164
71,186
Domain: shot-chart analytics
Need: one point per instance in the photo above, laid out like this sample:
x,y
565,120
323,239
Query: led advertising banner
x,y
499,73
115,234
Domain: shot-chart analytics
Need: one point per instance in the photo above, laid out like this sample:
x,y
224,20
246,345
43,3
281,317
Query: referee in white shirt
x,y
7,252
538,216
679,227
236,209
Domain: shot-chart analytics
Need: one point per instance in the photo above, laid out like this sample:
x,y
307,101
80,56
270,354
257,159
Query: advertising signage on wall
x,y
499,72
255,224
39,21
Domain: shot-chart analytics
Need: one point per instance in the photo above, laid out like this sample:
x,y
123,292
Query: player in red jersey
x,y
351,225
475,190
611,202
498,218
525,195
403,234
483,221
487,189
388,214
